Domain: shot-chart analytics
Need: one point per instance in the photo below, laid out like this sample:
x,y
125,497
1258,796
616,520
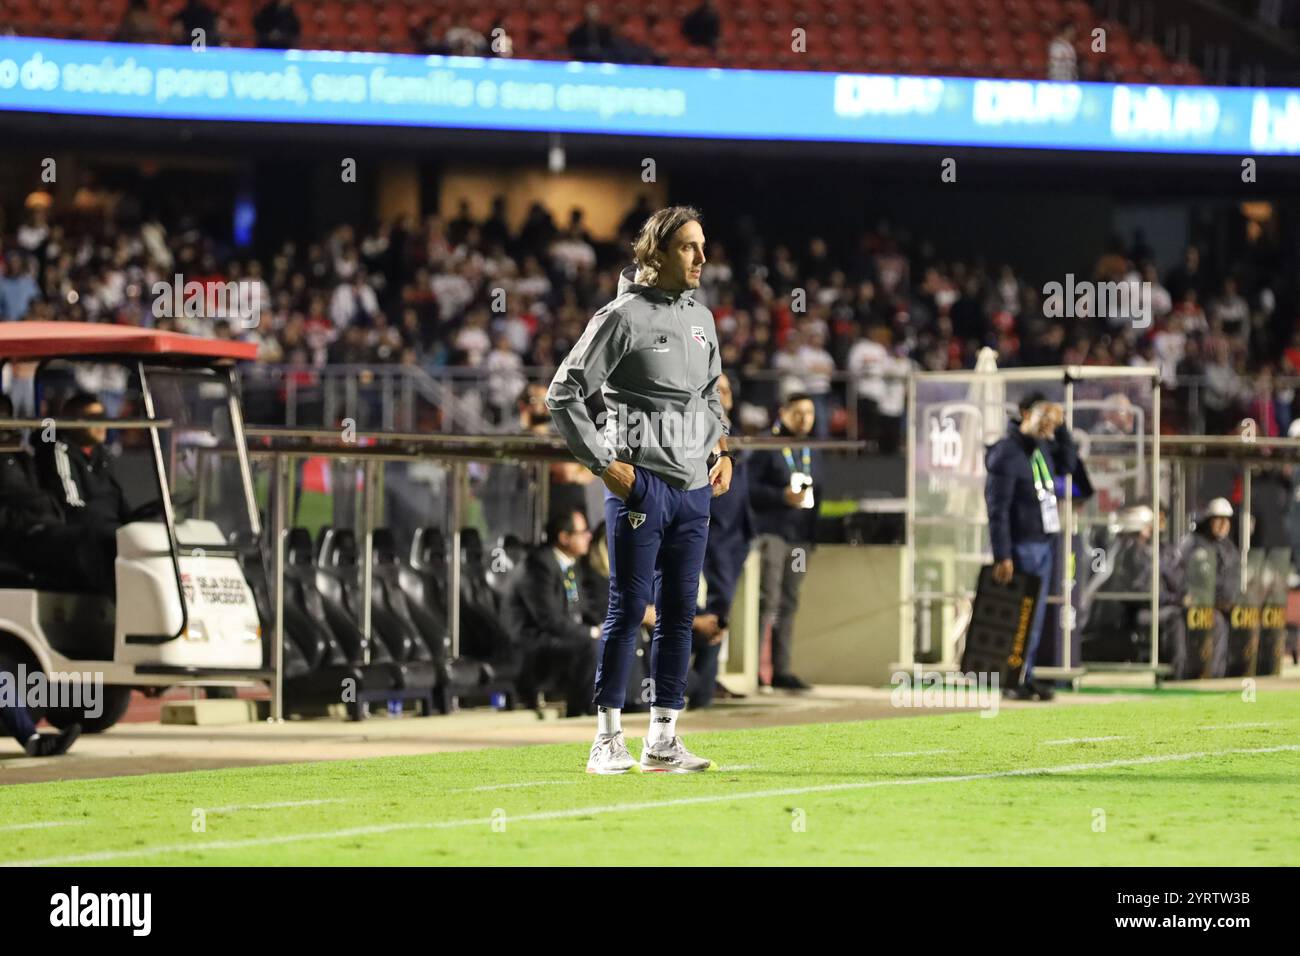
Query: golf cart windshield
x,y
202,458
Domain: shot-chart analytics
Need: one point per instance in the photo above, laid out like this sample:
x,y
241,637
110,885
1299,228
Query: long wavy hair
x,y
647,248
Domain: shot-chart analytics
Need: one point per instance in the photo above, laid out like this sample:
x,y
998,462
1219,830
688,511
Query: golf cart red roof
x,y
39,340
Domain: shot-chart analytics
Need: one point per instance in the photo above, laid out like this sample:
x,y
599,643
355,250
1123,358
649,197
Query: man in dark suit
x,y
545,612
731,533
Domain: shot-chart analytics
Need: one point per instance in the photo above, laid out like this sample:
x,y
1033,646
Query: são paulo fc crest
x,y
636,519
697,333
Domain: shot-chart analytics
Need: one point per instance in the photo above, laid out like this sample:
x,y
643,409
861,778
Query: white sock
x,y
663,724
608,721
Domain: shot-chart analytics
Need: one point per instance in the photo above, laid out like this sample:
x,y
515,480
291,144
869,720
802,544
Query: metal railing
x,y
460,400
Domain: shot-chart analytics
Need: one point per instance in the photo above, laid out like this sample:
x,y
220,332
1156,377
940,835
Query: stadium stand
x,y
998,38
417,295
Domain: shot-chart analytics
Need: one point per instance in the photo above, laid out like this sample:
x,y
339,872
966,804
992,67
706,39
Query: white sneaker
x,y
609,754
670,756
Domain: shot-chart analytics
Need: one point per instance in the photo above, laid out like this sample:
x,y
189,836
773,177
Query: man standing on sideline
x,y
731,532
652,354
786,494
1024,520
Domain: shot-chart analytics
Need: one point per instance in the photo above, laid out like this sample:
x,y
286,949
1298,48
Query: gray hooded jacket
x,y
653,355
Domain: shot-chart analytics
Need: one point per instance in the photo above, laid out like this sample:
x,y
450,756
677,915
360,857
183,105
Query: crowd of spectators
x,y
801,316
1055,44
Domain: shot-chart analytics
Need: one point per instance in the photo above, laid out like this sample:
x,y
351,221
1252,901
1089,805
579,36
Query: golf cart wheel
x,y
116,699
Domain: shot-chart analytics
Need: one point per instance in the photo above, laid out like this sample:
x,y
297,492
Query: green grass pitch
x,y
1205,779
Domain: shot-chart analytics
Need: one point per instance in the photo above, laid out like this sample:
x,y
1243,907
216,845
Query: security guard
x,y
1024,521
1210,566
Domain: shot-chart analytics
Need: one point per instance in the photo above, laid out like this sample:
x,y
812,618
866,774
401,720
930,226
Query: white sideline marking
x,y
912,753
1269,723
42,826
512,786
236,807
1080,740
380,829
737,766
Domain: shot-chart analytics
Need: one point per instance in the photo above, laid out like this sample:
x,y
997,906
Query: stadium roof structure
x,y
44,340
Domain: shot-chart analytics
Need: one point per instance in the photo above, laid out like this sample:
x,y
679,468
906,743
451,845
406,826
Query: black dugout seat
x,y
339,579
391,579
486,664
475,576
331,643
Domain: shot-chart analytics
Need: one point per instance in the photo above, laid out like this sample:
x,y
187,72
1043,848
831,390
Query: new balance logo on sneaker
x,y
635,519
670,756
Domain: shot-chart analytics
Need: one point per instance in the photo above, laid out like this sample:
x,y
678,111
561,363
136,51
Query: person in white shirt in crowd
x,y
866,361
786,360
505,378
1062,61
453,290
473,340
1231,310
533,283
353,302
1162,303
35,229
816,367
571,251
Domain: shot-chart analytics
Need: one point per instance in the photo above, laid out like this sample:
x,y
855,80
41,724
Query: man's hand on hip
x,y
619,478
720,476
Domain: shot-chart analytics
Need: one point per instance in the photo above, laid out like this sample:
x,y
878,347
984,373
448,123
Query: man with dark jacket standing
x,y
1024,521
785,490
731,532
544,609
652,355
78,470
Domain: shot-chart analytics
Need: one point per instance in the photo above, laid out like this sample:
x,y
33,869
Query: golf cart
x,y
184,610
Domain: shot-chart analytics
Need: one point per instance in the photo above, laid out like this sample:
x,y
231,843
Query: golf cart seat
x,y
13,575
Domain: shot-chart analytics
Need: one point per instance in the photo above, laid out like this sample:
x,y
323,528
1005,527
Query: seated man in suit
x,y
545,613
